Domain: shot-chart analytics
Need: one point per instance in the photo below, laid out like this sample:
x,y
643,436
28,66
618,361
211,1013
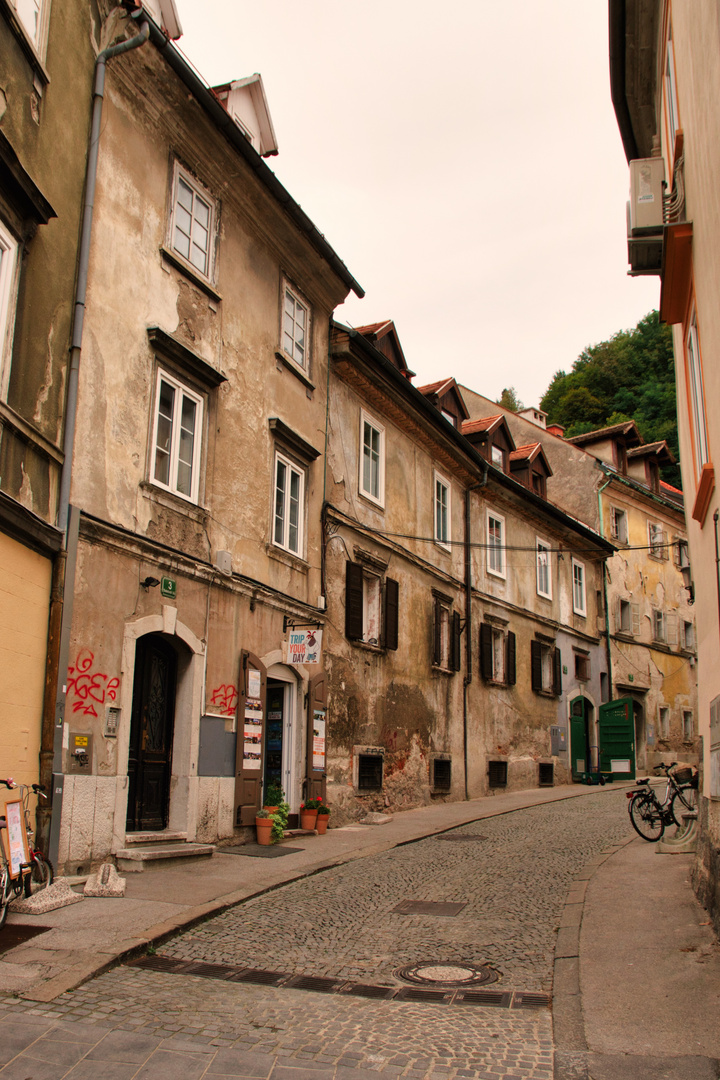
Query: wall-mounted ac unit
x,y
645,216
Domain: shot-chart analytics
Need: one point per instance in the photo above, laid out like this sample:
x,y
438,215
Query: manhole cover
x,y
14,934
447,975
461,836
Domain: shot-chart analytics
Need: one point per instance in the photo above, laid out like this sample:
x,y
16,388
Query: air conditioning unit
x,y
645,216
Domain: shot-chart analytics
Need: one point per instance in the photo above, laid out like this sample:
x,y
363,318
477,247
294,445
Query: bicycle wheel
x,y
4,897
40,876
681,802
646,817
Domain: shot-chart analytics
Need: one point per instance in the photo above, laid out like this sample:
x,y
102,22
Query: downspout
x,y
468,621
605,597
65,512
717,563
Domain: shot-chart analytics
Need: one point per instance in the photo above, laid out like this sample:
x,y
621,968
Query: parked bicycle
x,y
650,816
37,872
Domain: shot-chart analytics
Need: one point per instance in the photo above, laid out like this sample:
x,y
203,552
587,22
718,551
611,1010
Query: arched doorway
x,y
151,734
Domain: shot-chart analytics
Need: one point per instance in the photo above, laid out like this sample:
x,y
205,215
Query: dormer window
x,y
451,419
498,457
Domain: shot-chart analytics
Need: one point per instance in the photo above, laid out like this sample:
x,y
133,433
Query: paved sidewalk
x,y
89,937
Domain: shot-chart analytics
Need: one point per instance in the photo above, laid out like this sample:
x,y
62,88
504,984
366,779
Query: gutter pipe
x,y
468,622
69,517
605,597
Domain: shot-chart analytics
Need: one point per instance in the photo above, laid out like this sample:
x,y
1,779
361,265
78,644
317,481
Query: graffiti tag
x,y
90,687
225,699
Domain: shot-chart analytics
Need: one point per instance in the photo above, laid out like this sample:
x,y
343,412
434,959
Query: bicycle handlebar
x,y
9,783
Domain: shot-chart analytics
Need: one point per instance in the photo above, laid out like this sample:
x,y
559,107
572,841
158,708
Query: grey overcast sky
x,y
463,160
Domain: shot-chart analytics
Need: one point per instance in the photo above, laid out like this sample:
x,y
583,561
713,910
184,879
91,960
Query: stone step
x,y
163,837
133,860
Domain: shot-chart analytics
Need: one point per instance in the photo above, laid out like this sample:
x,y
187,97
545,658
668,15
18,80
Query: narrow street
x,y
510,873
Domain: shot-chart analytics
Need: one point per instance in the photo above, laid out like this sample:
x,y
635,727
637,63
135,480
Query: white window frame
x,y
659,626
298,352
37,12
499,655
657,541
497,456
284,541
543,568
372,609
182,176
496,558
547,668
671,100
663,722
696,394
375,497
441,510
579,589
8,268
619,524
688,635
181,390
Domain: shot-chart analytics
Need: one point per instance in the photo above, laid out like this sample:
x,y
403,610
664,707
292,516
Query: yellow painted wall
x,y
24,599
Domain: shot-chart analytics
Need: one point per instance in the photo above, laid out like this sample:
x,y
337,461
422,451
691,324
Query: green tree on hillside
x,y
510,400
629,377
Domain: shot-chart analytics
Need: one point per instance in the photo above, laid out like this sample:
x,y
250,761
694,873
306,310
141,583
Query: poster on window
x,y
252,734
318,743
303,647
15,838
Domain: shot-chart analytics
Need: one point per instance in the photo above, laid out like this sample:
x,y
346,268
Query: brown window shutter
x,y
390,614
248,780
353,600
437,640
455,649
557,672
316,710
510,676
486,659
536,665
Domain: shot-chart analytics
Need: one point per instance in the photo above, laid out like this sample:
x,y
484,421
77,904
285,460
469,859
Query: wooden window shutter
x,y
557,672
536,665
510,664
353,600
455,642
390,614
316,746
437,634
671,627
635,619
486,651
249,772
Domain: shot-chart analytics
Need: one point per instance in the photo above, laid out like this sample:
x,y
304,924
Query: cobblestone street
x,y
512,876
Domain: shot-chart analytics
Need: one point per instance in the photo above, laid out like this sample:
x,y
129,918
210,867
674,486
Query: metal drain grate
x,y
532,1001
209,971
410,994
428,907
365,991
312,982
485,997
160,963
460,836
260,977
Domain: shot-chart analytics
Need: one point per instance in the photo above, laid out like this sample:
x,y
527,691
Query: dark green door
x,y
617,739
579,738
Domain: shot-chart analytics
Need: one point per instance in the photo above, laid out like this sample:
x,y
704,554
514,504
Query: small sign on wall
x,y
168,587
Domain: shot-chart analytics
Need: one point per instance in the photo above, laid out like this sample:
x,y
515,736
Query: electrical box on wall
x,y
647,183
80,753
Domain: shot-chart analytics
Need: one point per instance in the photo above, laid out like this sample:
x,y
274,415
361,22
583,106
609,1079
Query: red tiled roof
x,y
434,387
524,451
480,425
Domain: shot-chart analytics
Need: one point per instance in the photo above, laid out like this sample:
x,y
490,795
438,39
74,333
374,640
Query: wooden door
x,y
250,739
315,769
151,734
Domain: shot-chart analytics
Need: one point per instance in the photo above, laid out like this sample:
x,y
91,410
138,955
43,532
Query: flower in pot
x,y
274,796
264,827
308,813
323,818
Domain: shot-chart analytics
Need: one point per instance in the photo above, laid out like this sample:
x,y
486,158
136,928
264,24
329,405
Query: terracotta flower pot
x,y
271,809
322,823
263,826
308,819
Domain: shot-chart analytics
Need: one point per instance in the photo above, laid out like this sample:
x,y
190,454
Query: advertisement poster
x,y
318,746
16,845
252,732
303,647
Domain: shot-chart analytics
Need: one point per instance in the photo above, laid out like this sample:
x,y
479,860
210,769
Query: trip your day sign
x,y
303,647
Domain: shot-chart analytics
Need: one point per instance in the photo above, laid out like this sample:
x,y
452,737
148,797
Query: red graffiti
x,y
90,687
225,699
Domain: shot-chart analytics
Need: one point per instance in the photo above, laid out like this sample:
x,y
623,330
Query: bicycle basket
x,y
684,775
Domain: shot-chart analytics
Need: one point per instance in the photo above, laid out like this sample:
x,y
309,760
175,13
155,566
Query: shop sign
x,y
303,647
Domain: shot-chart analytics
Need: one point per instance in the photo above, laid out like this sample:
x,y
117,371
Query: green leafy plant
x,y
263,813
322,809
311,804
278,828
274,794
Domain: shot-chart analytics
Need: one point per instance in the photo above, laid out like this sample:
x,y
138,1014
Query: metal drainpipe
x,y
605,600
717,562
468,622
64,509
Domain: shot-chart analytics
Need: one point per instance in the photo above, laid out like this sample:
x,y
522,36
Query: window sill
x,y
374,503
366,645
280,555
443,547
546,693
295,368
438,670
174,502
497,576
193,275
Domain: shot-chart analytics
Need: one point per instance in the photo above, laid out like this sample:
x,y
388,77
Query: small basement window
x,y
370,772
441,774
497,774
546,774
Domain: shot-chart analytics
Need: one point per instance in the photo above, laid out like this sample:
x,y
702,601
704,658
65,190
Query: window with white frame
x,y
446,634
177,437
543,578
372,459
442,510
657,541
498,456
663,722
618,524
295,327
628,618
671,104
8,263
659,625
682,555
688,636
495,544
688,725
696,394
192,224
578,587
545,668
34,16
289,505
497,654
371,606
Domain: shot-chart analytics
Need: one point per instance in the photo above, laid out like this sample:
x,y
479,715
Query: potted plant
x,y
323,818
274,795
308,813
264,827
